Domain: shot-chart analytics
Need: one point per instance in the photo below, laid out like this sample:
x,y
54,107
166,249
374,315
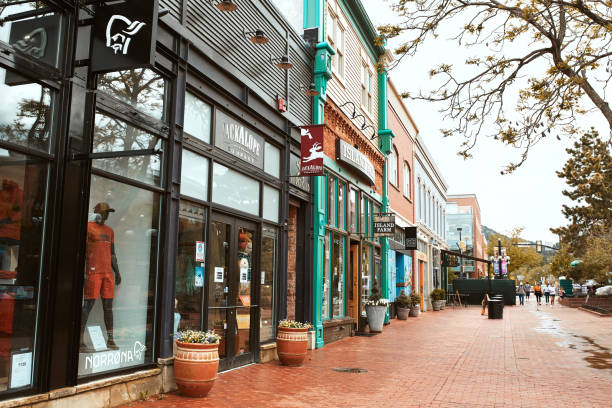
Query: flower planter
x,y
376,317
414,311
291,345
443,304
436,304
195,368
402,313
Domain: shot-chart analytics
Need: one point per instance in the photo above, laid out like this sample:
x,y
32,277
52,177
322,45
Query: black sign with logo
x,y
411,238
38,38
124,36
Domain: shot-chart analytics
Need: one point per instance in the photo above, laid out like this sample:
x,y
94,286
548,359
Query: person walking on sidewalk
x,y
521,294
537,290
527,289
552,291
546,290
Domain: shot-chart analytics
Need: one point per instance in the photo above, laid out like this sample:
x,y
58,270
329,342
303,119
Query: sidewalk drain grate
x,y
350,370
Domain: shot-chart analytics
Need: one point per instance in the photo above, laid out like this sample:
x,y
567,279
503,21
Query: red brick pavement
x,y
551,357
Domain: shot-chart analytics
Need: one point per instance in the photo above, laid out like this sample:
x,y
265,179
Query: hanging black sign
x,y
37,38
411,238
124,36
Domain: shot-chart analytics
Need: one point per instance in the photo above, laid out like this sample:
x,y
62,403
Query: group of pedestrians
x,y
549,291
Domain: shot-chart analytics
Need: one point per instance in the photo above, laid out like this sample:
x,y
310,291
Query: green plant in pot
x,y
196,361
437,295
415,304
402,305
376,306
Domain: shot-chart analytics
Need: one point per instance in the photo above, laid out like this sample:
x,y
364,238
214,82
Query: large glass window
x,y
271,199
269,254
362,215
272,160
331,200
353,210
194,175
366,277
190,266
25,115
341,204
337,285
114,135
23,198
120,272
197,118
235,190
326,278
142,88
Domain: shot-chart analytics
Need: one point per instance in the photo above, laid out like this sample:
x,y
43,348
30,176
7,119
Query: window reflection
x,y
25,118
197,118
268,273
114,135
144,89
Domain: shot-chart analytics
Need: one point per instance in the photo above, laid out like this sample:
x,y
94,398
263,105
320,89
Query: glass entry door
x,y
231,312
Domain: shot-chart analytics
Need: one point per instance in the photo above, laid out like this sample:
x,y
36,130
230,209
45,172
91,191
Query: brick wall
x,y
339,126
291,273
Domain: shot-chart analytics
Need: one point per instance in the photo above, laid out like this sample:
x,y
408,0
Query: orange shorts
x,y
100,282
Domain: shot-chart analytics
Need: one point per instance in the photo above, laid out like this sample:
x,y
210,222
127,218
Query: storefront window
x,y
341,204
272,160
353,211
271,198
120,272
235,190
326,278
338,275
190,266
331,200
366,281
142,88
362,215
194,175
269,247
197,118
23,197
114,135
26,118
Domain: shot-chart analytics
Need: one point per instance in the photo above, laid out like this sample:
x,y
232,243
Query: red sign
x,y
312,150
282,105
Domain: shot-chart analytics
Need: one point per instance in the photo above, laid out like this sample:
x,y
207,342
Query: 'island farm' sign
x,y
384,225
357,160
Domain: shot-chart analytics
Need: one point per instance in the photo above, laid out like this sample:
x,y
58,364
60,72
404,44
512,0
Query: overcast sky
x,y
531,196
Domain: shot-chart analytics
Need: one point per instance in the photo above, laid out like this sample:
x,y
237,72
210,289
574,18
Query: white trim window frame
x,y
393,170
366,87
407,181
336,39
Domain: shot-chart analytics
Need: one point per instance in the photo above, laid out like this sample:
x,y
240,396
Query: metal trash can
x,y
496,309
499,297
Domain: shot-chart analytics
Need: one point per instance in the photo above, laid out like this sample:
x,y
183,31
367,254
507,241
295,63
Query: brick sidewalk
x,y
551,357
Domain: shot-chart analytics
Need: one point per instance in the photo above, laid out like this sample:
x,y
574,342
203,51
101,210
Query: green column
x,y
385,144
322,73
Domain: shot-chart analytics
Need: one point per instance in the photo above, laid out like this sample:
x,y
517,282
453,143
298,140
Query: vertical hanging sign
x,y
124,36
312,150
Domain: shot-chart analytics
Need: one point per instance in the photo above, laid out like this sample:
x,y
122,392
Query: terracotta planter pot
x,y
195,368
402,313
291,346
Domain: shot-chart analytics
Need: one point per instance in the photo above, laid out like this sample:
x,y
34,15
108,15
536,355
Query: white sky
x,y
531,196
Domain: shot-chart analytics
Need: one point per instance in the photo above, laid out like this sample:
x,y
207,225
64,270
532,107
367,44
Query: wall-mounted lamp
x,y
309,91
256,37
225,5
162,12
282,62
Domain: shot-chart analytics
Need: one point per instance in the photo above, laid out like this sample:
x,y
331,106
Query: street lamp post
x,y
460,253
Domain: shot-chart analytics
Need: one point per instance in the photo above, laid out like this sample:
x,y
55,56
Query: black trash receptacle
x,y
496,310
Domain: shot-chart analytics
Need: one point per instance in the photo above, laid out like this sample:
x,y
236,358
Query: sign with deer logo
x,y
312,150
124,36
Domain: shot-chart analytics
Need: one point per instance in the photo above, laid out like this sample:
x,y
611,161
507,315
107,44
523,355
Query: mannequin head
x,y
102,210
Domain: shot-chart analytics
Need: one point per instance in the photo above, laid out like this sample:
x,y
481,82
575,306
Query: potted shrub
x,y
415,304
402,306
196,361
436,296
292,342
376,307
